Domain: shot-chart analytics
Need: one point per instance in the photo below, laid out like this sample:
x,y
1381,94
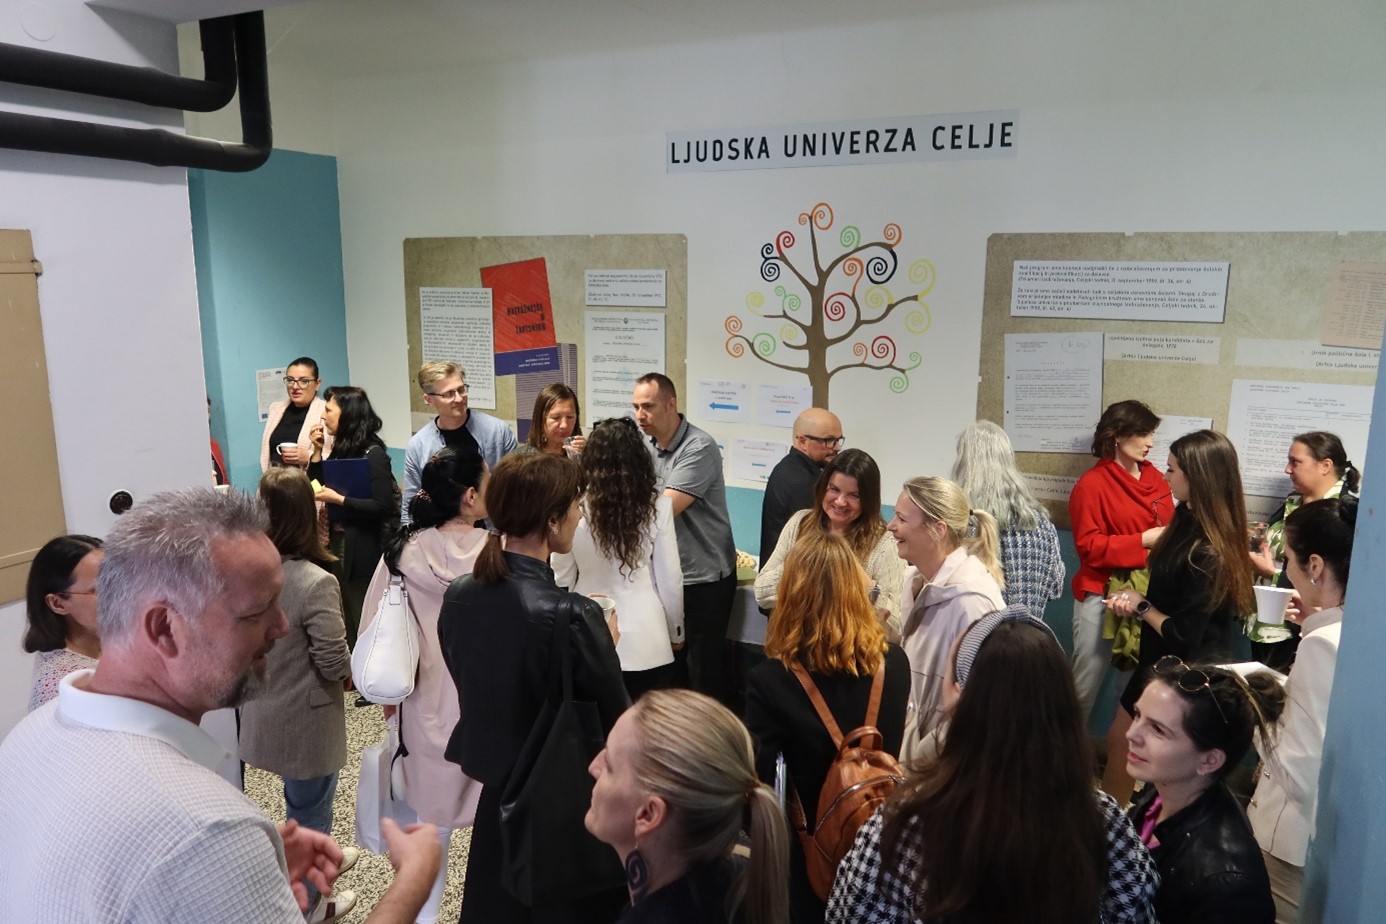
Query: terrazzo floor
x,y
372,874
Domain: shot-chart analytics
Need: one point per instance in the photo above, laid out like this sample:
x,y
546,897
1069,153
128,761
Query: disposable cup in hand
x,y
1271,603
283,446
607,604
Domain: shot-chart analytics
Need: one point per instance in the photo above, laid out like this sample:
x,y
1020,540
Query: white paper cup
x,y
607,604
283,446
1271,603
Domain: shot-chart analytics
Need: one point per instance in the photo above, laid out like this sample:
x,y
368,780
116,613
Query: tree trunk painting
x,y
837,305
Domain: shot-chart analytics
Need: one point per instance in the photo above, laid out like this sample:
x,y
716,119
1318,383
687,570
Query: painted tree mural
x,y
838,305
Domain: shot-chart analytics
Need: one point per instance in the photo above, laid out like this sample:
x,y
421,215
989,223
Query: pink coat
x,y
435,788
305,445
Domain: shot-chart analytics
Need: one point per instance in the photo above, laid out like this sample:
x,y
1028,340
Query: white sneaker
x,y
332,907
349,857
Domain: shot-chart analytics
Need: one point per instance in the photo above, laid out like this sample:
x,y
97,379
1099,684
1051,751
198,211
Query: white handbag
x,y
386,660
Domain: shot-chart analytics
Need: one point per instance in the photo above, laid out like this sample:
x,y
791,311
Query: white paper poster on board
x,y
1053,391
779,405
455,325
1264,418
1119,290
722,400
1050,487
269,388
1172,426
631,288
620,347
753,460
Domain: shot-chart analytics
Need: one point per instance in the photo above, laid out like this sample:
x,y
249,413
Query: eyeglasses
x,y
831,442
1188,679
78,593
450,395
301,383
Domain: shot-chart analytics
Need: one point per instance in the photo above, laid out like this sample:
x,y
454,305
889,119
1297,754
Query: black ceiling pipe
x,y
157,146
54,70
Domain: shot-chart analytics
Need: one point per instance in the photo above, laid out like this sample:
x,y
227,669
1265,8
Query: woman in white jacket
x,y
954,579
1318,550
625,549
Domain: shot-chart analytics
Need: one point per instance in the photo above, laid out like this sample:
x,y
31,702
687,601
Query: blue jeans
x,y
309,802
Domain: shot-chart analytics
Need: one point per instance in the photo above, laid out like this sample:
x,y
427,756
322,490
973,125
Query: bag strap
x,y
560,653
819,705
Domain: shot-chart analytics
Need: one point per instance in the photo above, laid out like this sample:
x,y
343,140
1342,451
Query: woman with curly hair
x,y
625,549
823,629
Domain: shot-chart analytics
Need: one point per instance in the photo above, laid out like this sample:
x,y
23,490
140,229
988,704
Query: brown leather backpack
x,y
861,777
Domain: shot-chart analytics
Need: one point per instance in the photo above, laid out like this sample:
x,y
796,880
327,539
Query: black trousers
x,y
706,613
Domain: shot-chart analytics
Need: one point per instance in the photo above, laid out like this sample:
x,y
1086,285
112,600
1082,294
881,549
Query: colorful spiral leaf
x,y
922,275
835,306
736,347
882,266
821,215
892,234
764,344
789,301
770,268
917,322
732,324
789,333
877,297
850,237
755,301
783,241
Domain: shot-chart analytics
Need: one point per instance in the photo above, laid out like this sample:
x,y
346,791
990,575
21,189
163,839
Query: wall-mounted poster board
x,y
31,500
511,309
1227,330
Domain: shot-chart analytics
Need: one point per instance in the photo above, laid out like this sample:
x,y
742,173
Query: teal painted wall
x,y
268,252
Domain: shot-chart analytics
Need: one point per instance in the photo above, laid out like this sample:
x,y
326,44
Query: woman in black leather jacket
x,y
1191,726
495,629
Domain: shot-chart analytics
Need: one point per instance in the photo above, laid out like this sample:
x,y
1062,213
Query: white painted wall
x,y
118,297
1253,115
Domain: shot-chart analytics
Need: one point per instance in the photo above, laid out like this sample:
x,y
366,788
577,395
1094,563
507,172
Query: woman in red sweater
x,y
1117,510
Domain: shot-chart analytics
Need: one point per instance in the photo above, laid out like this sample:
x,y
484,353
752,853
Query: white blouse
x,y
649,600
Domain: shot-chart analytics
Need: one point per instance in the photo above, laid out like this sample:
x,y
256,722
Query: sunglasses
x,y
1188,679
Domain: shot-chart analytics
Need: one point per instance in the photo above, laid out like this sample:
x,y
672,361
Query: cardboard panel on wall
x,y
457,262
31,502
1278,287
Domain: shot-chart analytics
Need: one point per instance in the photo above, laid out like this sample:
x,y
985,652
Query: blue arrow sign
x,y
724,407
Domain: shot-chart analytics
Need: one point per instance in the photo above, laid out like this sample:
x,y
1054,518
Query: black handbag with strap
x,y
547,854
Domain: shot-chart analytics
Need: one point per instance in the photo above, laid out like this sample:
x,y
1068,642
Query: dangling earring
x,y
637,875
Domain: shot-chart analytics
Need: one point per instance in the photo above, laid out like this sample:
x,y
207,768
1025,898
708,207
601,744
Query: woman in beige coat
x,y
441,545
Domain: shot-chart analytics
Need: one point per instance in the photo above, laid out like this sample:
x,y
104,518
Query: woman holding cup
x,y
556,426
625,554
1318,552
1318,467
289,424
1199,590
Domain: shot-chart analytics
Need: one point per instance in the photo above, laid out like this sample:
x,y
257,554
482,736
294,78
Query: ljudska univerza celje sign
x,y
888,140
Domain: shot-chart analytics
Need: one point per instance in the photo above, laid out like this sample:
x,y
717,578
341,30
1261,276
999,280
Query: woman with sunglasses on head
x,y
1192,726
1319,469
357,538
1318,552
1003,825
289,426
846,503
1200,587
61,596
625,548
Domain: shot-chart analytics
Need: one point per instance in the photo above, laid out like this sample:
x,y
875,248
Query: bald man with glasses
x,y
817,438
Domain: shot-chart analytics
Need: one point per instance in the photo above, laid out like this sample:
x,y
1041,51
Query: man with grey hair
x,y
113,811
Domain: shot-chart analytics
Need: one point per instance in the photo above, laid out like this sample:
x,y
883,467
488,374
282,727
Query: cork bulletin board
x,y
458,262
1278,285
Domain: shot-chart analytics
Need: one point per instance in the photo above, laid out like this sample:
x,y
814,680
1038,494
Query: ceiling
x,y
342,38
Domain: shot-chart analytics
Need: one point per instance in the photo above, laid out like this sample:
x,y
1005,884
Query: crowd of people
x,y
611,554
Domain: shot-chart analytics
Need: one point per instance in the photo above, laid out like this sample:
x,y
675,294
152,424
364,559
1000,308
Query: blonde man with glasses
x,y
444,386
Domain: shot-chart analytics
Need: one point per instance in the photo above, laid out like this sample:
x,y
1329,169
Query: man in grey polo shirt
x,y
688,465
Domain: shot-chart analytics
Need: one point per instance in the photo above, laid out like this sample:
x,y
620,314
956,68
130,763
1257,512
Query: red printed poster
x,y
520,304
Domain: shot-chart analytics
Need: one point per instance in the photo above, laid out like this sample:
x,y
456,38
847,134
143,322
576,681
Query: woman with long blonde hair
x,y
825,626
674,788
954,578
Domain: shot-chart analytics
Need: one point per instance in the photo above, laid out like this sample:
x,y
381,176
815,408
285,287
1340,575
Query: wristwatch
x,y
1142,607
